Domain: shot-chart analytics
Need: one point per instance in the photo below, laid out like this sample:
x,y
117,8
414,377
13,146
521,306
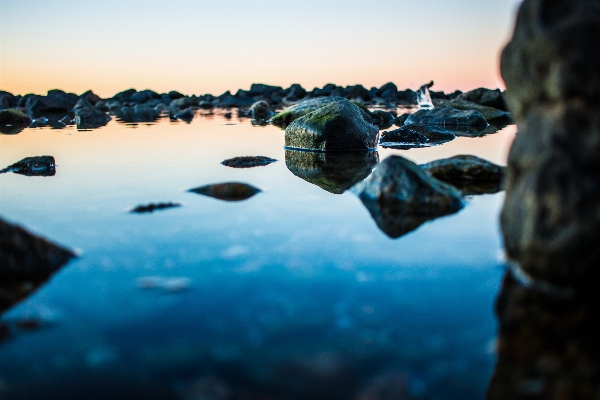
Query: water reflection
x,y
33,166
333,172
548,345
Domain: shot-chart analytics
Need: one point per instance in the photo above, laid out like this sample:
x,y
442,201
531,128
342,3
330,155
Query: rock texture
x,y
447,116
337,126
287,116
13,121
416,135
248,161
551,215
33,166
229,191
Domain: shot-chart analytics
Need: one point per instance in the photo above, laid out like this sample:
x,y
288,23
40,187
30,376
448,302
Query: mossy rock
x,y
337,126
287,116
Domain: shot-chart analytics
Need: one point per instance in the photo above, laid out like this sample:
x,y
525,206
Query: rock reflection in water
x,y
547,347
33,166
333,172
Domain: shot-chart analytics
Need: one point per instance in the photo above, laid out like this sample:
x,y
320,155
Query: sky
x,y
201,46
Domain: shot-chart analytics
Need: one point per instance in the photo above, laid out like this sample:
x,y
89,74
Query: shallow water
x,y
293,293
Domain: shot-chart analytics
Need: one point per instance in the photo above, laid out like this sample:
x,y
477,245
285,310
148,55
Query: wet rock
x,y
260,111
33,166
295,93
206,105
389,92
485,97
401,119
55,102
416,135
144,96
91,97
382,119
186,115
183,103
82,103
407,97
337,126
490,114
357,92
173,95
125,96
547,346
39,122
149,208
401,196
464,168
287,116
333,172
13,121
230,191
447,116
7,100
90,118
138,113
248,161
551,215
26,261
66,120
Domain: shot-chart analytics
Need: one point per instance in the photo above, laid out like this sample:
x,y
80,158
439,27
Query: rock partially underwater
x,y
90,118
248,161
401,196
416,135
229,191
333,172
290,114
33,166
13,121
150,208
26,262
447,116
337,126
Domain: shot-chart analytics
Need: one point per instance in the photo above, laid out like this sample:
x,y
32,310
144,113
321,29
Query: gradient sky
x,y
199,47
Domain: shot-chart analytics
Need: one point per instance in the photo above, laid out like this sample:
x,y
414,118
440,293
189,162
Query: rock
x,y
26,261
416,135
13,121
333,172
90,118
260,111
7,100
55,102
174,95
490,114
91,97
66,120
82,103
138,113
401,119
183,103
407,97
248,161
337,126
295,93
124,96
144,96
485,97
447,116
33,166
401,196
389,92
149,208
382,119
357,92
186,115
230,191
551,215
38,122
287,116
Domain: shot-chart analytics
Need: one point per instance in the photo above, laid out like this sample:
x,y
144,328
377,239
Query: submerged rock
x,y
230,191
401,196
90,118
287,116
551,215
333,172
447,116
248,161
13,121
148,208
26,261
416,135
33,166
337,126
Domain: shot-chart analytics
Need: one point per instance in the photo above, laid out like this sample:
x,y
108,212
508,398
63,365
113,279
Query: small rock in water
x,y
447,116
230,191
287,116
464,168
90,118
416,135
186,115
383,119
66,120
260,111
153,207
13,121
33,166
248,161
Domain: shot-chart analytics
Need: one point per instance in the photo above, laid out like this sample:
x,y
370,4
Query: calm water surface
x,y
293,293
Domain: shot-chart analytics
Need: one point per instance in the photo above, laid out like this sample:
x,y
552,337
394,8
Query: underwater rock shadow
x,y
332,172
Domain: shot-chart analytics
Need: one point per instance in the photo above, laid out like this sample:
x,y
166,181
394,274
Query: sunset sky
x,y
199,47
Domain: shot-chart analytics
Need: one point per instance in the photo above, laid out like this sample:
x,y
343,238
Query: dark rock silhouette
x,y
33,166
13,121
333,172
416,135
447,116
149,208
90,118
229,191
248,161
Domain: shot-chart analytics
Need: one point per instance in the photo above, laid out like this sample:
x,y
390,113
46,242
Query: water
x,y
293,293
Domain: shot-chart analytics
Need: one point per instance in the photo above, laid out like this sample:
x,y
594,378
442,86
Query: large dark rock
x,y
33,166
13,121
125,96
337,126
7,100
447,116
333,172
248,161
229,191
90,118
382,119
138,113
401,196
489,113
416,135
287,116
485,97
55,102
551,215
260,111
26,261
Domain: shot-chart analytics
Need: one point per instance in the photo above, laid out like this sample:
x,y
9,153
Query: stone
x,y
183,102
401,196
332,172
229,191
248,161
186,115
337,126
287,116
13,121
33,166
90,118
138,113
7,100
91,97
485,97
416,135
357,92
382,119
55,102
489,113
144,96
551,215
125,96
149,208
389,91
260,111
447,116
26,261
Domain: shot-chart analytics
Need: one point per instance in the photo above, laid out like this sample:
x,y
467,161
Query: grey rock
x,y
447,116
485,97
90,118
150,208
55,102
382,119
416,135
248,161
186,115
489,113
337,126
138,113
260,111
33,166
